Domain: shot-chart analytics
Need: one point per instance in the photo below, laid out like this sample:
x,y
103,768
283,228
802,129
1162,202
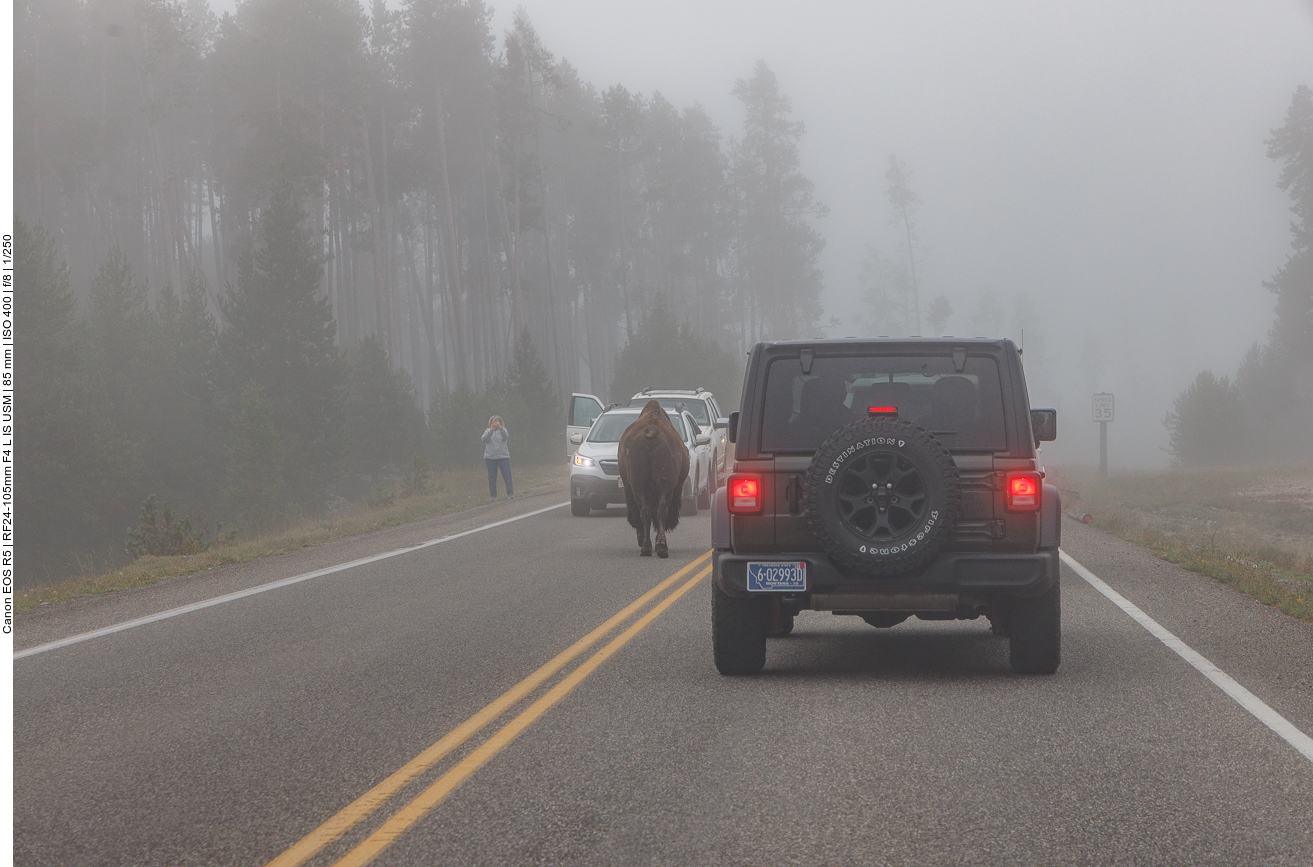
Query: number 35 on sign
x,y
1102,407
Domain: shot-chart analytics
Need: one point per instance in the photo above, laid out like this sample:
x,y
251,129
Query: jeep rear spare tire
x,y
883,496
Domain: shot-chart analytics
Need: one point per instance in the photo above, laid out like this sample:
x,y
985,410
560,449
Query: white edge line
x,y
1243,697
264,588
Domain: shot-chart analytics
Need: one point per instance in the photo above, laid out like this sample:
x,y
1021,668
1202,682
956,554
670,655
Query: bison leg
x,y
645,532
661,550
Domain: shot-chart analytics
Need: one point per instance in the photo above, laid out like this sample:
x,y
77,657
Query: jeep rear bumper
x,y
968,576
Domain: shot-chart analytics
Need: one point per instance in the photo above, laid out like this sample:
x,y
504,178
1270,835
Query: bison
x,y
653,465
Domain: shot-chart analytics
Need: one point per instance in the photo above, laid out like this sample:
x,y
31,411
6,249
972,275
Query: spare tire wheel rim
x,y
882,499
882,496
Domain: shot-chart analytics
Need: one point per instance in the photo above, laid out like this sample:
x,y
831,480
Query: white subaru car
x,y
701,404
595,481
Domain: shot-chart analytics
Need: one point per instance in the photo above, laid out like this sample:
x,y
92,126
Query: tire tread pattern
x,y
941,466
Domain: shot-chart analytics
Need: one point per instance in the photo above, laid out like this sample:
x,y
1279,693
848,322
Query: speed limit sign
x,y
1102,407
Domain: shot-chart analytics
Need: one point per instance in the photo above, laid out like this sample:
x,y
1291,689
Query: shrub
x,y
417,477
161,535
1208,425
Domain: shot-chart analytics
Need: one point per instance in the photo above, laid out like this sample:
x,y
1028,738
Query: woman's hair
x,y
494,418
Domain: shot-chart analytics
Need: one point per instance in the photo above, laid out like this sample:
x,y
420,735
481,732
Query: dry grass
x,y
447,492
1251,528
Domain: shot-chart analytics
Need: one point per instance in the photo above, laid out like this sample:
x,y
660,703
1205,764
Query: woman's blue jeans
x,y
505,465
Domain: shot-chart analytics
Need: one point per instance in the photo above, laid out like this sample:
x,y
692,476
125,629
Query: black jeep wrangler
x,y
886,479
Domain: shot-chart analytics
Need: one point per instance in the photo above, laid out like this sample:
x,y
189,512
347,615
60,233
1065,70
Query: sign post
x,y
1103,414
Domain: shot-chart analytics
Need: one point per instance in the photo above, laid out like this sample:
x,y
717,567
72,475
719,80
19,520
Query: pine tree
x,y
1206,425
124,345
666,352
532,404
938,314
257,460
383,423
185,443
779,249
71,463
903,202
1292,334
280,337
1274,379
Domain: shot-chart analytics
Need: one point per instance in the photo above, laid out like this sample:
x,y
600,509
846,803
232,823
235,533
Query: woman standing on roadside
x,y
496,454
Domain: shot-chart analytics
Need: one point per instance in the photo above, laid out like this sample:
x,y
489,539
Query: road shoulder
x,y
1266,651
54,622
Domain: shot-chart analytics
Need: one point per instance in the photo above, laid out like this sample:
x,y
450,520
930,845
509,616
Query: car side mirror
x,y
734,426
576,438
703,439
720,424
1044,425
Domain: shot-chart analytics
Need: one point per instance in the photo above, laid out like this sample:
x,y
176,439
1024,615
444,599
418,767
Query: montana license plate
x,y
777,577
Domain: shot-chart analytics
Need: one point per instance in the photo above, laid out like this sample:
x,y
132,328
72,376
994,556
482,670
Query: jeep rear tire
x,y
738,633
883,496
1035,632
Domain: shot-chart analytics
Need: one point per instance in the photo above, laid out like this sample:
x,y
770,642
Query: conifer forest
x,y
268,254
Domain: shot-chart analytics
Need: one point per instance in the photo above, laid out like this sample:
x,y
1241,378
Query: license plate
x,y
620,483
777,577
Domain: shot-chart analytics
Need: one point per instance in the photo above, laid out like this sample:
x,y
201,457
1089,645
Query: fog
x,y
289,259
1106,161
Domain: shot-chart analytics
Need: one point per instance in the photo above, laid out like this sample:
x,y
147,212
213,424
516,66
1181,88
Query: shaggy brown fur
x,y
654,465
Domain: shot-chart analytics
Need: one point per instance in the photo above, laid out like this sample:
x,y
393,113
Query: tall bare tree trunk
x,y
382,314
216,236
453,249
389,273
436,372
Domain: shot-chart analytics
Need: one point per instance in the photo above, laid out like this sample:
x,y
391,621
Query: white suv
x,y
595,481
701,404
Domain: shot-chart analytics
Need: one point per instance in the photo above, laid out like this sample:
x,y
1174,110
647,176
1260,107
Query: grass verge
x,y
1249,528
448,492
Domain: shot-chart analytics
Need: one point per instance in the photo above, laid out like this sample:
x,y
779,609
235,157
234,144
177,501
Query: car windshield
x,y
611,425
962,408
696,406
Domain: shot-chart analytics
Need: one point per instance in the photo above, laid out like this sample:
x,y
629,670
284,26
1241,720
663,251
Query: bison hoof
x,y
662,552
645,552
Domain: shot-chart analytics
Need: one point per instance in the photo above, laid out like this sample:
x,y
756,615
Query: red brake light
x,y
1023,492
882,410
745,494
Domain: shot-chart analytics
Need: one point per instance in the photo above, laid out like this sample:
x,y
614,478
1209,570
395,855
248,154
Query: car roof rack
x,y
651,389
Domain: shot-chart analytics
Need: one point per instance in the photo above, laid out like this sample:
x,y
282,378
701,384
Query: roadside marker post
x,y
1102,413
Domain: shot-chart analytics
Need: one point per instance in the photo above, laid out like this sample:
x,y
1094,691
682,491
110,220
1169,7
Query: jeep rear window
x,y
963,409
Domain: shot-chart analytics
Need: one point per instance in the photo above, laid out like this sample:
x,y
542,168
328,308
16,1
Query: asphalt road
x,y
228,734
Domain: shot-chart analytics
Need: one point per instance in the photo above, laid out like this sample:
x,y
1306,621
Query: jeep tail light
x,y
882,410
744,494
1023,492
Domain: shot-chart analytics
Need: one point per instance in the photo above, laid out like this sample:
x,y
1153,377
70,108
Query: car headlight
x,y
581,461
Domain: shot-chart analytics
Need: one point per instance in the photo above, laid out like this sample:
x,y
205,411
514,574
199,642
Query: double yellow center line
x,y
364,806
